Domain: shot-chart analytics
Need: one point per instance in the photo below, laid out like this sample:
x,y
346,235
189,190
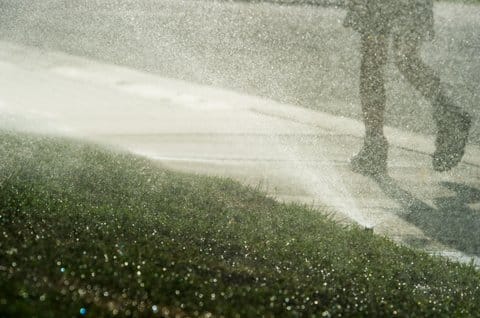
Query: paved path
x,y
293,153
293,54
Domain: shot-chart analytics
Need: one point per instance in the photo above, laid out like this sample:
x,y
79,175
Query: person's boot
x,y
372,159
453,126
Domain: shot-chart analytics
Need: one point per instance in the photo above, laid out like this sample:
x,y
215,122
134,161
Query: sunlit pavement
x,y
292,153
298,54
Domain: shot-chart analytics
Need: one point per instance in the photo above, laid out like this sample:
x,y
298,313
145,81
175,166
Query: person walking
x,y
408,23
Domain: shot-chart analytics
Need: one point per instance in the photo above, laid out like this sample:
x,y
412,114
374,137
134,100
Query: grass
x,y
87,227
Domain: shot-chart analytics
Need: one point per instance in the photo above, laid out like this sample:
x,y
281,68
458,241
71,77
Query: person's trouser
x,y
374,49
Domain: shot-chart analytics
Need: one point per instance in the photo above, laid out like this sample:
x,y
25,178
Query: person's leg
x,y
373,98
412,67
452,123
372,158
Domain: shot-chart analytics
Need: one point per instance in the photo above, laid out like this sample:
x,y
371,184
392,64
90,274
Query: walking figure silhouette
x,y
408,23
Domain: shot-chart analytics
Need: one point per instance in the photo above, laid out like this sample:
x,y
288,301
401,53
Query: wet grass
x,y
87,227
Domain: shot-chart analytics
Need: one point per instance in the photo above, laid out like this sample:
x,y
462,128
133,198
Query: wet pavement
x,y
292,153
296,54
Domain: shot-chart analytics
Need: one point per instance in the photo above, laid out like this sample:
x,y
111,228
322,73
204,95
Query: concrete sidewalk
x,y
294,154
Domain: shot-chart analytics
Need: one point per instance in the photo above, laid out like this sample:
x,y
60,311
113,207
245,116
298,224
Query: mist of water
x,y
297,54
319,178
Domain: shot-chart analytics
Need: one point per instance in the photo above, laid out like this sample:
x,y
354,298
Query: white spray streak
x,y
327,185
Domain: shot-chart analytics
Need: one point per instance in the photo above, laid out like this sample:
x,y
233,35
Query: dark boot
x,y
372,159
453,126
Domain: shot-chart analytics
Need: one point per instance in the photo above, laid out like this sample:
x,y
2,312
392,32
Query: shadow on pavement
x,y
451,222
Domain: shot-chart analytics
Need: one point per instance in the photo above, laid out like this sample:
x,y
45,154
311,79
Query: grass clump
x,y
83,227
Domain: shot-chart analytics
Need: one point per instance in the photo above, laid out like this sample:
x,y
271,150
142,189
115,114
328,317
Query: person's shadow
x,y
451,222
